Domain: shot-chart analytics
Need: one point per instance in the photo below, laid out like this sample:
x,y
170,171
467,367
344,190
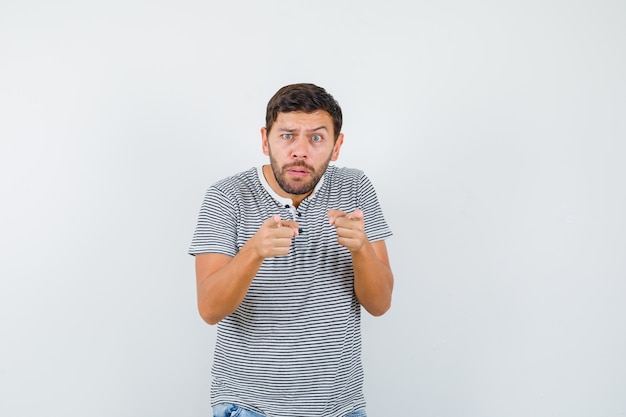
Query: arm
x,y
373,279
222,281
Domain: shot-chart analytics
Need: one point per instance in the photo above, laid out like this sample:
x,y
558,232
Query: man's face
x,y
300,146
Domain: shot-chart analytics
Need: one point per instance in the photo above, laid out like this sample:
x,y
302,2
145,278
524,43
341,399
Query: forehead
x,y
307,121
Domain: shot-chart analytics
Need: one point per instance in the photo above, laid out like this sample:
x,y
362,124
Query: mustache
x,y
299,164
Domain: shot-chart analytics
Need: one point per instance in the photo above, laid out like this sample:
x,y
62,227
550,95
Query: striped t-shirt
x,y
293,346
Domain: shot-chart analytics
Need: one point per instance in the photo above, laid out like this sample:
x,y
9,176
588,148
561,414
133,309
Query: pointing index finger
x,y
293,225
333,214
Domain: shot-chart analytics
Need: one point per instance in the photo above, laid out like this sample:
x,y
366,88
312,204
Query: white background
x,y
494,132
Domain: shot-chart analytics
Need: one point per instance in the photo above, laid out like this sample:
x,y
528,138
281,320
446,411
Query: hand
x,y
350,228
274,237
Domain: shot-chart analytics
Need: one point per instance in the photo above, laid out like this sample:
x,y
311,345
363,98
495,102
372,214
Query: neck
x,y
296,199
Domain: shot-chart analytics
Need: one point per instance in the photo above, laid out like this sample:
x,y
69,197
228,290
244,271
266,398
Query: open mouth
x,y
298,172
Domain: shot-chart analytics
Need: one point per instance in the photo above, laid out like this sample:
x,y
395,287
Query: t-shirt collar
x,y
282,200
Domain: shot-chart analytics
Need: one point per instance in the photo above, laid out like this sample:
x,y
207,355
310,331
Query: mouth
x,y
298,171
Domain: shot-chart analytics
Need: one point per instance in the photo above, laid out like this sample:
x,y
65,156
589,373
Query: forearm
x,y
223,281
223,290
373,280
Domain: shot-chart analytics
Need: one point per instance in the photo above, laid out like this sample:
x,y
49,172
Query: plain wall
x,y
494,132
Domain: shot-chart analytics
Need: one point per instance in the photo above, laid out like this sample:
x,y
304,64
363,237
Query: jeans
x,y
231,410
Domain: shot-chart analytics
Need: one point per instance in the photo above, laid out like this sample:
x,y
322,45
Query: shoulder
x,y
236,183
347,177
232,190
242,177
343,174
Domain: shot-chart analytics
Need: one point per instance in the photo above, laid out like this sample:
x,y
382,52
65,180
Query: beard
x,y
297,186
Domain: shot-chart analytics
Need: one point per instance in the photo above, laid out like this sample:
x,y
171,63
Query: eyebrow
x,y
284,129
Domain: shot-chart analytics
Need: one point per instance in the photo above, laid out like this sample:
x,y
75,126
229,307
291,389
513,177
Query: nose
x,y
300,149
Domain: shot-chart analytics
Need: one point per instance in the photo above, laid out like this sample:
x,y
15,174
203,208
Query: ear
x,y
335,155
265,144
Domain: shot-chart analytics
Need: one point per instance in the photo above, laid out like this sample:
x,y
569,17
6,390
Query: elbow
x,y
379,309
210,320
377,300
376,306
209,317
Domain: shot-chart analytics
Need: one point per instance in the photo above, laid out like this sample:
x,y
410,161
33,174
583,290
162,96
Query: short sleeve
x,y
376,227
216,229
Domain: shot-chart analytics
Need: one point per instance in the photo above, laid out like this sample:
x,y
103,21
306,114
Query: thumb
x,y
356,215
274,220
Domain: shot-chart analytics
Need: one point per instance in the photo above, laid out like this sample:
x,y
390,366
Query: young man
x,y
286,255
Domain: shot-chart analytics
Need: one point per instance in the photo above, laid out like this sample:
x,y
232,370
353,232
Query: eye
x,y
316,138
287,136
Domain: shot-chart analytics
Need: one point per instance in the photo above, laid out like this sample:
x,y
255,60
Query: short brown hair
x,y
305,98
